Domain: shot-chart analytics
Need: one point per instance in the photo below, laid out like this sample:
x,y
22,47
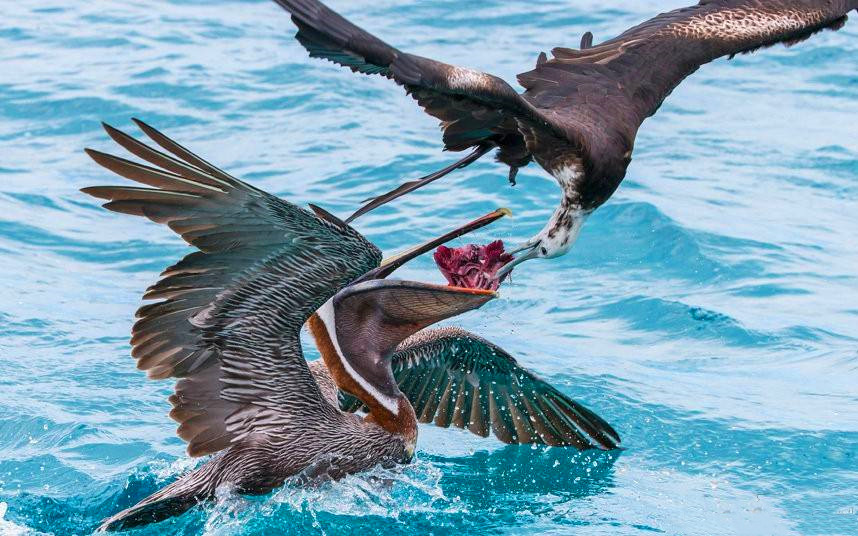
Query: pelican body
x,y
581,109
227,325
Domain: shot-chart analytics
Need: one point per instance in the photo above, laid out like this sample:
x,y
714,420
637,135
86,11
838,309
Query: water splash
x,y
392,494
8,528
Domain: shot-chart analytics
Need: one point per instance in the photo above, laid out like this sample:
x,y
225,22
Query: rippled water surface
x,y
709,310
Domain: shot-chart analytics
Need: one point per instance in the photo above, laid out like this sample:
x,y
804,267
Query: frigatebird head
x,y
554,240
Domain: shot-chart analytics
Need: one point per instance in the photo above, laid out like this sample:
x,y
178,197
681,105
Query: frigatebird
x,y
581,109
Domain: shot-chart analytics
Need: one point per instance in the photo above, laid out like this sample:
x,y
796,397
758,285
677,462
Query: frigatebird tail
x,y
410,186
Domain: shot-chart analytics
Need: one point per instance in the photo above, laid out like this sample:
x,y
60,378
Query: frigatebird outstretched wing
x,y
588,103
614,86
455,378
476,109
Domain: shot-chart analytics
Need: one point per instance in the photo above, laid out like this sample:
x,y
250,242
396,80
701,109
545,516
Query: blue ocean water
x,y
709,310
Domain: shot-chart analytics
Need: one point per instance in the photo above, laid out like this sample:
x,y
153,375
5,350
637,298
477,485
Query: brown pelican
x,y
581,109
228,322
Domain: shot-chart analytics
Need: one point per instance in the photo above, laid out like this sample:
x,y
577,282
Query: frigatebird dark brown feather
x,y
583,105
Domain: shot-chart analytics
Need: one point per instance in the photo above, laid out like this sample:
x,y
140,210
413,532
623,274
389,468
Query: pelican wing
x,y
612,87
455,378
474,107
228,316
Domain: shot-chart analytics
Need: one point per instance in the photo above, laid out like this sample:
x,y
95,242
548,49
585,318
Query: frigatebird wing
x,y
614,86
455,378
475,108
229,315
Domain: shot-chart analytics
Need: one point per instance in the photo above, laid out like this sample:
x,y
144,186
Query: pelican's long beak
x,y
523,253
390,264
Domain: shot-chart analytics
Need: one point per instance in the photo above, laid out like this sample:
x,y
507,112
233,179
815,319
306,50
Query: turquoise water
x,y
709,310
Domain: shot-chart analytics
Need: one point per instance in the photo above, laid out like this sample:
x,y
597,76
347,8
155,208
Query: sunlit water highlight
x,y
709,311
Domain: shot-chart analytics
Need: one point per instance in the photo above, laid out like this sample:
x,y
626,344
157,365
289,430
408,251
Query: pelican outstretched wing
x,y
455,378
228,316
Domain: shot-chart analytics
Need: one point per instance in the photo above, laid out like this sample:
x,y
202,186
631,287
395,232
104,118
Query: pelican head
x,y
359,328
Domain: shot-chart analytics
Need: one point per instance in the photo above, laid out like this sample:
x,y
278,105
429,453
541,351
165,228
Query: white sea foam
x,y
387,493
165,470
8,528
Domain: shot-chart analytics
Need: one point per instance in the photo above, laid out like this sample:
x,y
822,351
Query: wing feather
x,y
474,108
501,420
455,378
228,320
633,73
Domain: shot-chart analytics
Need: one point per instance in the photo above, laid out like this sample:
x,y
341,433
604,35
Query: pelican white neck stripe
x,y
326,314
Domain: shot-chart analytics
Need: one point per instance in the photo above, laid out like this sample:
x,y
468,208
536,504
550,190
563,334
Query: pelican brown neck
x,y
360,327
369,378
